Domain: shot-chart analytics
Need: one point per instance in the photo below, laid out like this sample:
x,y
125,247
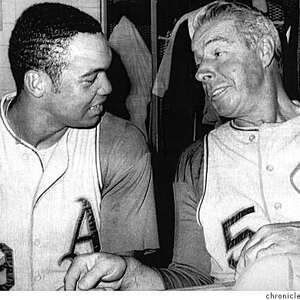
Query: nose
x,y
104,86
205,72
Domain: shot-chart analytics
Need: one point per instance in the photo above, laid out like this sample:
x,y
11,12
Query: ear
x,y
266,50
34,83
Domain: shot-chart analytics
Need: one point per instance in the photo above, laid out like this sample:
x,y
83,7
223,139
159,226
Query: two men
x,y
236,192
73,179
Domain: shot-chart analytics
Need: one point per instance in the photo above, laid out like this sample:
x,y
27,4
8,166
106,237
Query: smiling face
x,y
84,85
232,74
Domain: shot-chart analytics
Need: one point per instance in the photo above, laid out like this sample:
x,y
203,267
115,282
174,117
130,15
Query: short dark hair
x,y
41,36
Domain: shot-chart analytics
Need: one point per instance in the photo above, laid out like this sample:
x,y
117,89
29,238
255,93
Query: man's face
x,y
230,72
84,85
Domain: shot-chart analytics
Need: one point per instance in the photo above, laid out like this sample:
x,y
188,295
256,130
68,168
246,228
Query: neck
x,y
271,105
286,108
29,124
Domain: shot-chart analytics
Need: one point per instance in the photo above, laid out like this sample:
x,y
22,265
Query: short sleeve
x,y
187,194
128,213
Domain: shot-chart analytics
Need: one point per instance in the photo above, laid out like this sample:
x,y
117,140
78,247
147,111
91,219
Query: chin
x,y
226,112
87,124
93,124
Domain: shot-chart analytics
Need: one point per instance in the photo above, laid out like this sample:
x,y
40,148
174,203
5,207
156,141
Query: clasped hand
x,y
96,271
278,238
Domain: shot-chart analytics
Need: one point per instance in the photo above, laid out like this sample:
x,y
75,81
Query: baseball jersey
x,y
62,201
251,178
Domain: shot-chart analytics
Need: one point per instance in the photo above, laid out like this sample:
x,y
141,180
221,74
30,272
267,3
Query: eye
x,y
219,53
89,81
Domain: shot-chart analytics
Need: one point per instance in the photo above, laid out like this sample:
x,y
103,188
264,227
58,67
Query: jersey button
x,y
37,242
37,277
270,168
277,205
25,156
252,137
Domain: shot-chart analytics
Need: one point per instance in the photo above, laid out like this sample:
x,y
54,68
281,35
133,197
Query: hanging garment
x,y
126,40
184,101
260,5
162,81
289,36
119,80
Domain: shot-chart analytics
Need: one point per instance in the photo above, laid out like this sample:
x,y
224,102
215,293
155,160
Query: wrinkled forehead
x,y
211,31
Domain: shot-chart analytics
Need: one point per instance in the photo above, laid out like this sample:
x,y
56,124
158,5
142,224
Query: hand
x,y
98,270
279,238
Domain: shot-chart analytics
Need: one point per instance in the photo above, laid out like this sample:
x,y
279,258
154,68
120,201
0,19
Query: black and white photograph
x,y
150,146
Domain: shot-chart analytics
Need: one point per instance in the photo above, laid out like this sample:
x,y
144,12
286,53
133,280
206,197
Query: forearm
x,y
140,277
178,276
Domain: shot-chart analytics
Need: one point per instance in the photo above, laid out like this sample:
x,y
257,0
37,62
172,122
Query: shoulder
x,y
192,158
190,162
122,136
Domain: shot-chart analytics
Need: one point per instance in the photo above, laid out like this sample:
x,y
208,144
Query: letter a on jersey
x,y
7,280
86,220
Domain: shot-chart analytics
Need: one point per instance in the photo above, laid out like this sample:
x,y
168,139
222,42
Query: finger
x,y
113,285
103,289
261,233
109,289
247,258
115,270
251,254
108,272
73,275
273,249
91,278
246,251
79,267
241,263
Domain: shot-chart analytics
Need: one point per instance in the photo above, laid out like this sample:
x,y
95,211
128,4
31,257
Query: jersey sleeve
x,y
128,213
191,262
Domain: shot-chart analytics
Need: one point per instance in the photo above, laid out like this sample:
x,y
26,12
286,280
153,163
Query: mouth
x,y
96,108
217,92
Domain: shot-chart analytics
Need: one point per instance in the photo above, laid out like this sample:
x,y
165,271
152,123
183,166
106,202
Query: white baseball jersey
x,y
252,178
51,209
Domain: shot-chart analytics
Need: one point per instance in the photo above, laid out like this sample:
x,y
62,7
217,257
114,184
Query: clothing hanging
x,y
120,82
162,81
184,101
126,40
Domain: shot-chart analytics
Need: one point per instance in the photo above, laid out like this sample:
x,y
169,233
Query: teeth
x,y
218,91
95,107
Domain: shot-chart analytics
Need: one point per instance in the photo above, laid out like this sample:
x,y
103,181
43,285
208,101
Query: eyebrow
x,y
213,40
217,39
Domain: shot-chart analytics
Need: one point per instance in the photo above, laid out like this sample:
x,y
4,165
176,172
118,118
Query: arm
x,y
191,262
190,265
104,271
128,216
